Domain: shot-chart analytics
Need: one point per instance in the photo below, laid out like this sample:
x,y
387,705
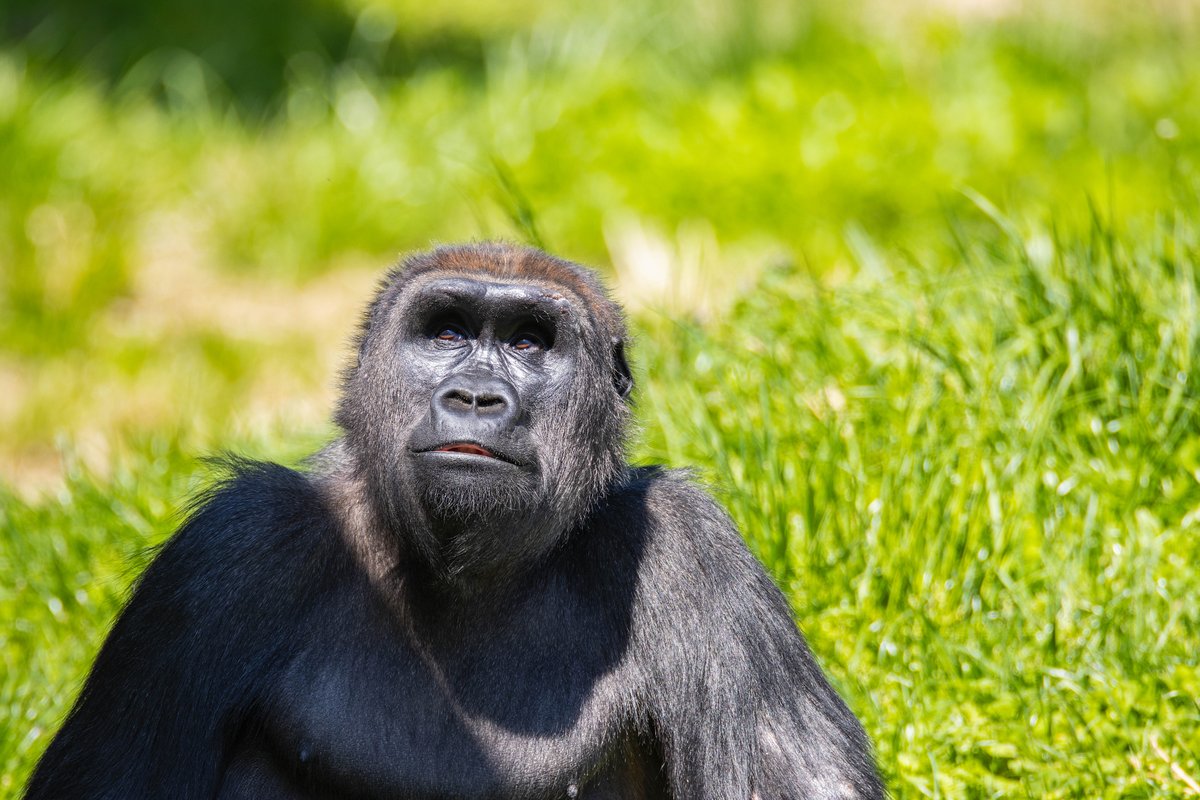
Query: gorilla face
x,y
499,362
490,417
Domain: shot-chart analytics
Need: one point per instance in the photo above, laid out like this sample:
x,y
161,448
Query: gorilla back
x,y
469,594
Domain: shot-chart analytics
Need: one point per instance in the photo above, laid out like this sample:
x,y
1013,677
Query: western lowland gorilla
x,y
469,594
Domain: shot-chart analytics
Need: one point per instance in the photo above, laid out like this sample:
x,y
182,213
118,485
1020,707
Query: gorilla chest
x,y
533,710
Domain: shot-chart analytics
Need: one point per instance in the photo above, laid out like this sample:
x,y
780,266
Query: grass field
x,y
915,291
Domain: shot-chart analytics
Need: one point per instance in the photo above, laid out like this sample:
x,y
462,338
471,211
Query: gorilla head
x,y
488,404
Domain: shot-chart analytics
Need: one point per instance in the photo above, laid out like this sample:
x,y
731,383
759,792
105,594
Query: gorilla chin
x,y
469,490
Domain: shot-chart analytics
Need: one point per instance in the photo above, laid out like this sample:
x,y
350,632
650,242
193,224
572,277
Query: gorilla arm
x,y
735,698
165,697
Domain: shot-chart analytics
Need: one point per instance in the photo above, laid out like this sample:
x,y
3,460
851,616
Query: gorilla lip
x,y
466,447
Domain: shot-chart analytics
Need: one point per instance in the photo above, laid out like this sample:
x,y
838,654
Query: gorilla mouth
x,y
466,451
466,447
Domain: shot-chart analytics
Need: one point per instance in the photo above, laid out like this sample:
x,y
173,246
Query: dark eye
x,y
527,342
449,333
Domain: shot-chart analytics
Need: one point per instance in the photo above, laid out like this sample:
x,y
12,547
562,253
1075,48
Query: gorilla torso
x,y
533,692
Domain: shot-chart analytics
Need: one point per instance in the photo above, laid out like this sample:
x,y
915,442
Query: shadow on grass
x,y
244,46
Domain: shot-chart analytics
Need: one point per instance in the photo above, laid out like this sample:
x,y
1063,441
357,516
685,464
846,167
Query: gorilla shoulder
x,y
679,512
258,521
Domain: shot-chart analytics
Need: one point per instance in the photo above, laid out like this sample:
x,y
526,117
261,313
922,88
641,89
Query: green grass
x,y
980,484
917,296
978,481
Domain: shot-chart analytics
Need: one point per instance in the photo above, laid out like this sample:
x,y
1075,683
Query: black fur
x,y
411,618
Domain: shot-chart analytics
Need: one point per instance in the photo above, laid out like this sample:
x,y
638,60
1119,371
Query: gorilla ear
x,y
622,377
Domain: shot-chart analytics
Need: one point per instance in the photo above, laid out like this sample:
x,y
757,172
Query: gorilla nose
x,y
469,398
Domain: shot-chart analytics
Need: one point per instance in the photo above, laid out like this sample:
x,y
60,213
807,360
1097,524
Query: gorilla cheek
x,y
384,440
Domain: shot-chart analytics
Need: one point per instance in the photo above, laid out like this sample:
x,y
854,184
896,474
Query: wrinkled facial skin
x,y
495,359
488,418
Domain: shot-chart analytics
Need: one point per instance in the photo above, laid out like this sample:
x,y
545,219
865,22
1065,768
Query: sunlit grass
x,y
711,142
978,480
915,292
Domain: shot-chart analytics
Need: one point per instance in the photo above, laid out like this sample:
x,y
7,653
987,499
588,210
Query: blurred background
x,y
913,284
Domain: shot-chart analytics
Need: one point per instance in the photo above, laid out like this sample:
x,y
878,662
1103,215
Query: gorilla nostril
x,y
484,398
458,399
489,402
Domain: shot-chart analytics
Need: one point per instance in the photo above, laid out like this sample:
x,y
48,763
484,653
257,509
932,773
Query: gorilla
x,y
468,594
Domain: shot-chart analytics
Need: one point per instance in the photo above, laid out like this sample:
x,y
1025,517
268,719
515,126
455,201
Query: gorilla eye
x,y
527,342
449,333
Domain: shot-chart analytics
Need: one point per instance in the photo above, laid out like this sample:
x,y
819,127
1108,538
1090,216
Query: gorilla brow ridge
x,y
506,261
